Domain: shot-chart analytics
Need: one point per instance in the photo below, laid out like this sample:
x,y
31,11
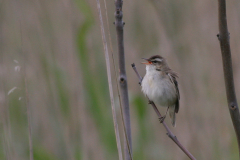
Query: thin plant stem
x,y
223,38
118,90
119,24
27,105
110,82
29,120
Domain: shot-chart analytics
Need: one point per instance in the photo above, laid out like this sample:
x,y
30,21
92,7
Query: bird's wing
x,y
173,77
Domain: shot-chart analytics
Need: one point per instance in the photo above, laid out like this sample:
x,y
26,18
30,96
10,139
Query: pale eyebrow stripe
x,y
158,59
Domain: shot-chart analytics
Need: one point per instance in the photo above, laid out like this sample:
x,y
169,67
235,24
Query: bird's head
x,y
156,62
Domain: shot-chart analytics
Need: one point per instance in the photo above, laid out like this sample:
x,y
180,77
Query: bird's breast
x,y
159,89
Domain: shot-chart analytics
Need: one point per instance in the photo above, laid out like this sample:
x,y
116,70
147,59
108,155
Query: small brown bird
x,y
160,85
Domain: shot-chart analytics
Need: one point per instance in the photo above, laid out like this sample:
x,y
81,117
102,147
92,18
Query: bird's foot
x,y
150,102
161,119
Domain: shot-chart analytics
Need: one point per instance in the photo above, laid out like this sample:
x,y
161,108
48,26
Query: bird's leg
x,y
161,119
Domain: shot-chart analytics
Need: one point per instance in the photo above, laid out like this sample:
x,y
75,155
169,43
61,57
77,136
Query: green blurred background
x,y
58,45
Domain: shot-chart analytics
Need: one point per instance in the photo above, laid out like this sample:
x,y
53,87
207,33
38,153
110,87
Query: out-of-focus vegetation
x,y
59,43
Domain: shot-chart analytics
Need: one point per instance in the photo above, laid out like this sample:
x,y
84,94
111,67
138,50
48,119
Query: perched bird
x,y
160,85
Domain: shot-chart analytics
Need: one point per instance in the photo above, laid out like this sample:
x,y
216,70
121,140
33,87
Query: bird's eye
x,y
154,62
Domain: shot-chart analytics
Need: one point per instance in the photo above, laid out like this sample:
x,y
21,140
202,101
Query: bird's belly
x,y
162,91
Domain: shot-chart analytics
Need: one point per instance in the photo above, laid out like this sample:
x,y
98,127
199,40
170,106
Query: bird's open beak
x,y
148,62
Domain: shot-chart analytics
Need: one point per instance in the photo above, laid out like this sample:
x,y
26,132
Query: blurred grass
x,y
41,153
95,84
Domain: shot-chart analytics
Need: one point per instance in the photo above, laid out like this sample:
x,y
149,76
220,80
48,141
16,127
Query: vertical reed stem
x,y
223,38
119,24
110,82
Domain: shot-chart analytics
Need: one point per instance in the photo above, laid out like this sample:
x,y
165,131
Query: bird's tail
x,y
172,115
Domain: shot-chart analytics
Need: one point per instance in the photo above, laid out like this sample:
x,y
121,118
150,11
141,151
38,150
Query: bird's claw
x,y
161,119
150,102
